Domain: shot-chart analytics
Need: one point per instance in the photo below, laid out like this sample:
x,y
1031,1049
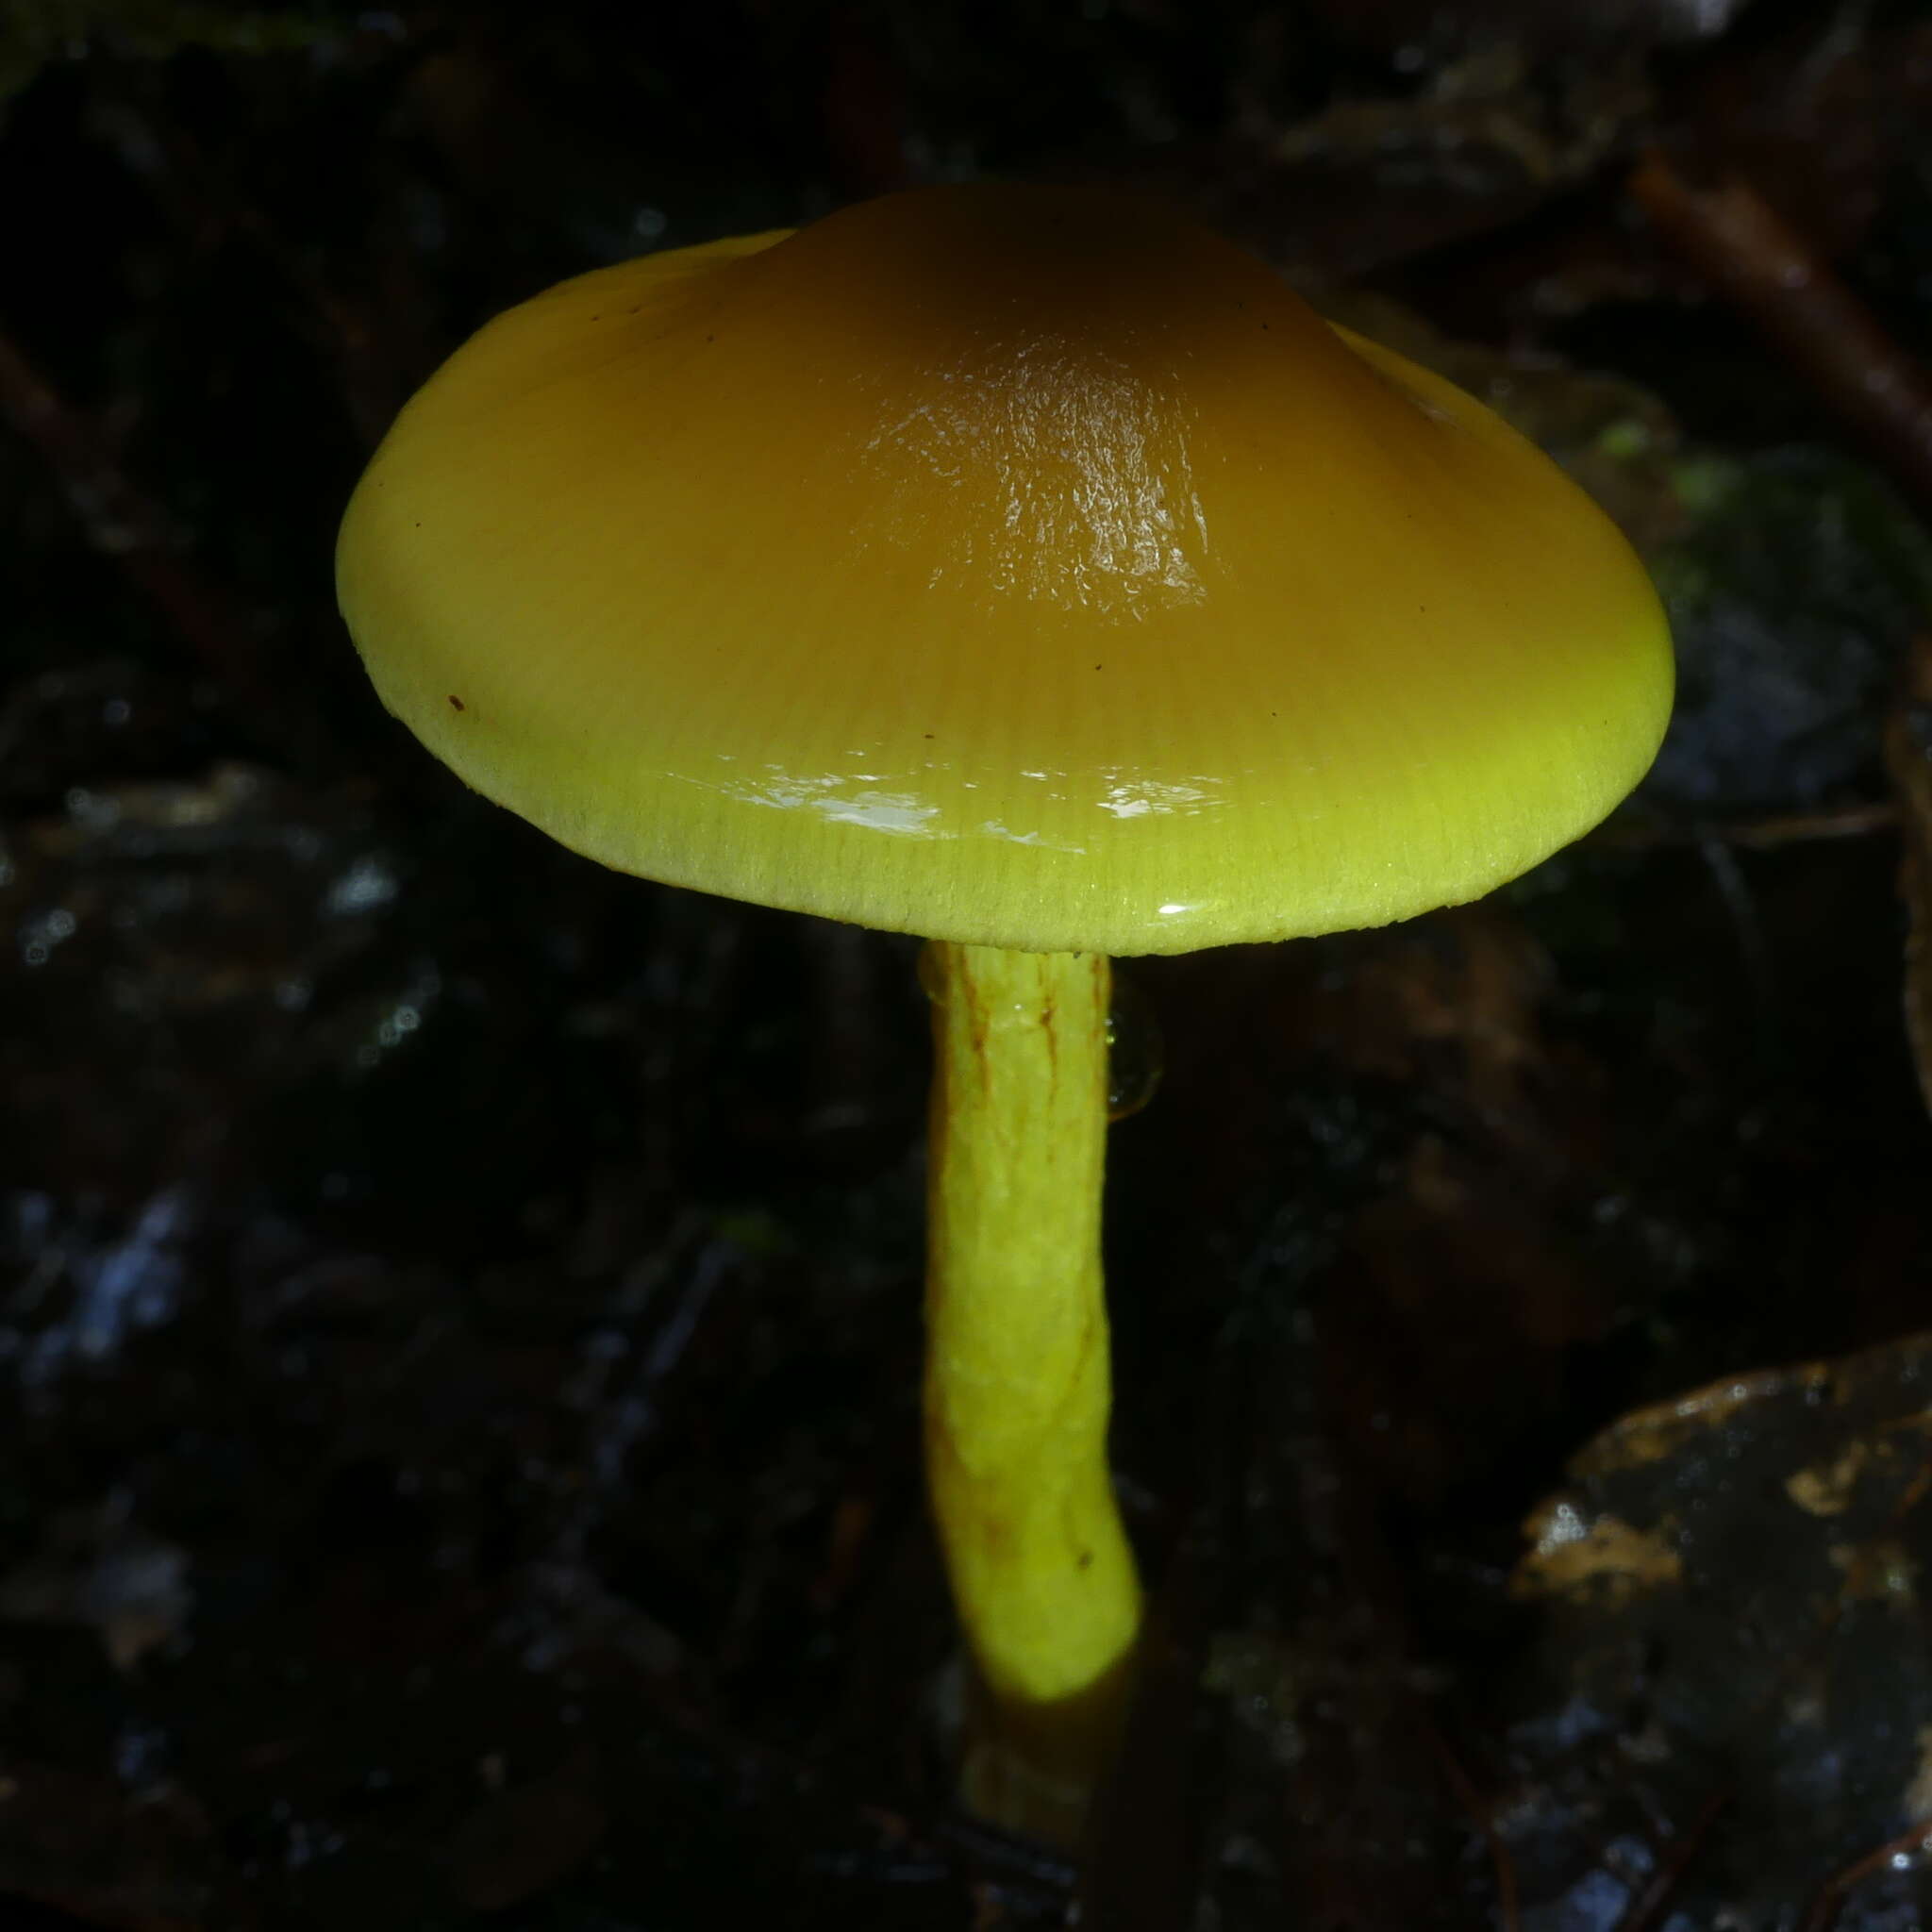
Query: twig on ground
x,y
1909,1845
206,204
1482,1813
1765,268
1767,834
1647,1908
122,524
1908,762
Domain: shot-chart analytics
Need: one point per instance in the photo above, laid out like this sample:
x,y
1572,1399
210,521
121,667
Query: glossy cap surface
x,y
1015,566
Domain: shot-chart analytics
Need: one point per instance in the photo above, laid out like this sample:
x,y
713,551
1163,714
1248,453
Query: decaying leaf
x,y
1729,1703
1571,1552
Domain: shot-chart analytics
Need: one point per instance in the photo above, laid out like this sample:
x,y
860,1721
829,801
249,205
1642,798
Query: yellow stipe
x,y
1017,1377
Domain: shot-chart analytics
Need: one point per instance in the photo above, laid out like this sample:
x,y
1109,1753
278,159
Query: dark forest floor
x,y
459,1322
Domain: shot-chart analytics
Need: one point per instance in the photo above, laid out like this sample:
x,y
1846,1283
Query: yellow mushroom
x,y
1027,569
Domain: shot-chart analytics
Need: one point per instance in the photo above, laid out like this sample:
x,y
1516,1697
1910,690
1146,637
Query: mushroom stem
x,y
1017,1378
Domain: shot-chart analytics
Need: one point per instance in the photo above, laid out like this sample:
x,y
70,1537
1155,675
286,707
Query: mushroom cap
x,y
1016,566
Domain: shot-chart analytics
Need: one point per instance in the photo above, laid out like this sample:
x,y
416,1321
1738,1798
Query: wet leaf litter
x,y
460,1320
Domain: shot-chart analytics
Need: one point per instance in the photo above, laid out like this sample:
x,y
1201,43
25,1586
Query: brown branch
x,y
1912,1843
206,204
123,525
1908,763
1482,1813
1757,834
1772,274
1650,1904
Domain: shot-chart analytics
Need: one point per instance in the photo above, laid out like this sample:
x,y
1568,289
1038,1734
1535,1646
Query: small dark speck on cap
x,y
456,703
928,734
710,338
1100,667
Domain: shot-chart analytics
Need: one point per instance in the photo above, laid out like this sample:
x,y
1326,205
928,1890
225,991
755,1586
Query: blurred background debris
x,y
459,1310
